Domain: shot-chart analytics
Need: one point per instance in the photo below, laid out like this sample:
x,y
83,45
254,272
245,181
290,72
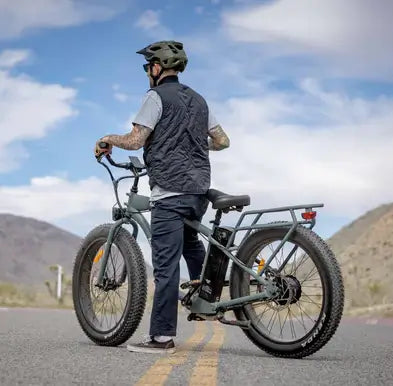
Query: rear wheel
x,y
306,314
109,314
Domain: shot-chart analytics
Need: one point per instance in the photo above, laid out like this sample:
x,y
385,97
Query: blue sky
x,y
307,100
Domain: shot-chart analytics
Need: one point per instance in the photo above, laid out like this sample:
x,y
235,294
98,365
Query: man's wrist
x,y
107,139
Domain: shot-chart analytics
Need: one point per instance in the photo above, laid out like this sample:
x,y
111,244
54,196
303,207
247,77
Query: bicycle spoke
x,y
311,301
302,262
281,258
274,320
309,274
306,313
280,320
284,322
311,286
106,307
120,299
301,315
294,258
260,316
293,332
270,319
317,279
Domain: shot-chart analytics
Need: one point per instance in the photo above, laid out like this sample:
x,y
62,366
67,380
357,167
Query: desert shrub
x,y
375,288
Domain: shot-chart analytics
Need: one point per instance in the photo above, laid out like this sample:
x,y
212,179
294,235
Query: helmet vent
x,y
173,48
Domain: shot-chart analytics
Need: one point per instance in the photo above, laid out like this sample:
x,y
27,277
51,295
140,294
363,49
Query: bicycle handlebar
x,y
125,165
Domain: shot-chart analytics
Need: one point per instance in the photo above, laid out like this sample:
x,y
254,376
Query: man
x,y
177,130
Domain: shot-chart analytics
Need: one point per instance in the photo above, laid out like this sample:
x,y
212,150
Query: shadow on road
x,y
262,354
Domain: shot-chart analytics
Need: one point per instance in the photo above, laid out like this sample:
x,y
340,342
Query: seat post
x,y
217,220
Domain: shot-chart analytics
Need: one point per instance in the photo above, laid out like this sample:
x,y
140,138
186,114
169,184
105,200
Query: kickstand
x,y
246,324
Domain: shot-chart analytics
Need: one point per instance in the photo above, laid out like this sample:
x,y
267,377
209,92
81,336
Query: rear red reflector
x,y
309,215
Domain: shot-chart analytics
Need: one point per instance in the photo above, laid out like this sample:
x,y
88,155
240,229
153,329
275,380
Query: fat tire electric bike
x,y
284,288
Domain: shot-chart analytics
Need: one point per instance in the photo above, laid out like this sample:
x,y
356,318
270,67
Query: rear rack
x,y
259,213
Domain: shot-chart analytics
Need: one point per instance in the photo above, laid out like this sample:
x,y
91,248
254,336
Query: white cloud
x,y
10,58
16,17
52,198
118,95
150,22
358,33
75,205
199,10
121,97
308,146
79,79
28,110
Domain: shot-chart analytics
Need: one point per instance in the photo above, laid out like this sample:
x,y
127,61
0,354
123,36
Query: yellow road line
x,y
205,371
160,370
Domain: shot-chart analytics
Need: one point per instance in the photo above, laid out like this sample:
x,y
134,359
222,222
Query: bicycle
x,y
302,291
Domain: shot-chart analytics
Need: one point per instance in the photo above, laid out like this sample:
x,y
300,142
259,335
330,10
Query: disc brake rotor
x,y
290,290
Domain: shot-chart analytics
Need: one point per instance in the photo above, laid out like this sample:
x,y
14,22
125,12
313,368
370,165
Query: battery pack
x,y
216,267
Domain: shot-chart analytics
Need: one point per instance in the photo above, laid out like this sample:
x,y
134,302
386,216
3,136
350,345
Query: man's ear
x,y
157,67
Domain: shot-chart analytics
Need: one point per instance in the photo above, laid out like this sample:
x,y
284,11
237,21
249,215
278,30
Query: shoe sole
x,y
146,350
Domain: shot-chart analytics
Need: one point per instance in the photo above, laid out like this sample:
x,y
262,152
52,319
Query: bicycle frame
x,y
133,215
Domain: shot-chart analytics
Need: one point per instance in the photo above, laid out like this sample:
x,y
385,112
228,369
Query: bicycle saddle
x,y
227,202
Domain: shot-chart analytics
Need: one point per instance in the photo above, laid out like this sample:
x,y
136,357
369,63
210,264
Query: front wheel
x,y
306,314
109,314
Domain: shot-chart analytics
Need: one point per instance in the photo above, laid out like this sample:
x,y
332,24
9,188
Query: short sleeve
x,y
212,122
150,111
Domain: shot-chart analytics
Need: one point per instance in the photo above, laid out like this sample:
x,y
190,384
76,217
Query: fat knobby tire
x,y
331,278
137,285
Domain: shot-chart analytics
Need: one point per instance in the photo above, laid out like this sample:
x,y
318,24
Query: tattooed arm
x,y
217,140
131,141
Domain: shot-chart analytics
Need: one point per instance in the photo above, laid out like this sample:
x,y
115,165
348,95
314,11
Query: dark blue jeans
x,y
171,239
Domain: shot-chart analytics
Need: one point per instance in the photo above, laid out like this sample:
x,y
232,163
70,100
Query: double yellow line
x,y
205,371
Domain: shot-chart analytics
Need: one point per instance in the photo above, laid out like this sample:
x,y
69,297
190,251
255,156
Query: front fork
x,y
112,234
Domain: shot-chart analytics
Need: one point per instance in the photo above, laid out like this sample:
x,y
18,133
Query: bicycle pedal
x,y
201,317
191,317
190,284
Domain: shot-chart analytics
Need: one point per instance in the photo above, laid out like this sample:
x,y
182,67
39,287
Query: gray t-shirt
x,y
148,116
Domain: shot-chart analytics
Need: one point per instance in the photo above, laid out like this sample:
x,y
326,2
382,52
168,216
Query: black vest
x,y
176,153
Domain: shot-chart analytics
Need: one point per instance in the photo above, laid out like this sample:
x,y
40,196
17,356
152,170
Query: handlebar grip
x,y
103,145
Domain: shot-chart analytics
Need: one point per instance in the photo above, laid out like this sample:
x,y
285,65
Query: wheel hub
x,y
290,290
108,285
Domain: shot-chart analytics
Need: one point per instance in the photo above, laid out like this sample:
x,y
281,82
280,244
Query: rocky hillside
x,y
28,247
364,249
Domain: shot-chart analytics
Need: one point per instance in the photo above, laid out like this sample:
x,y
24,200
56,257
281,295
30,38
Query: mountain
x,y
28,247
364,249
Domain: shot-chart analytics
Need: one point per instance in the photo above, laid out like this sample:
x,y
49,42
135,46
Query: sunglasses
x,y
148,65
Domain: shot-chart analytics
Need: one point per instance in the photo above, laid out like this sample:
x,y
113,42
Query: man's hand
x,y
99,151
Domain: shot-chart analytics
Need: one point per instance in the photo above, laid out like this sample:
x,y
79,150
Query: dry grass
x,y
13,295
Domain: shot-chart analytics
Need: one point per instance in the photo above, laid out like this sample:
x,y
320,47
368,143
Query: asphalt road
x,y
47,347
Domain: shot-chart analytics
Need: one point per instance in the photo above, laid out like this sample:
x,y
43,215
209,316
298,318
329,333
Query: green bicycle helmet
x,y
168,53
